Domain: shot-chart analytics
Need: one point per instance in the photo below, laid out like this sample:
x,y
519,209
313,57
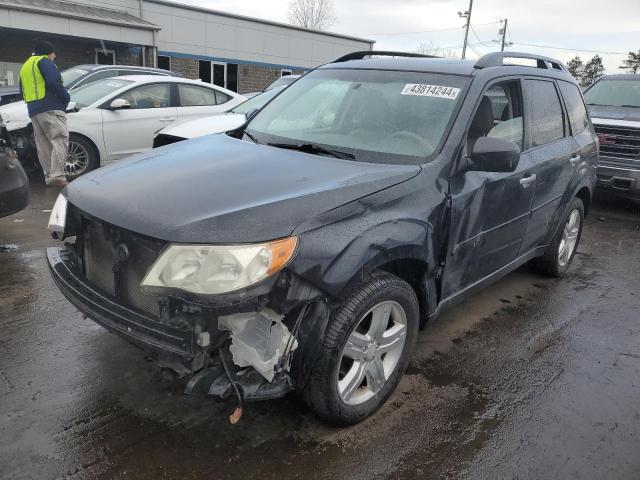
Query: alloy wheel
x,y
569,238
372,352
77,159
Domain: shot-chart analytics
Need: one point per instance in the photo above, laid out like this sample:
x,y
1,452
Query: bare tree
x,y
312,14
432,49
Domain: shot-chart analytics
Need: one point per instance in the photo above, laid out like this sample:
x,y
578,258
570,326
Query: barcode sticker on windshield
x,y
422,90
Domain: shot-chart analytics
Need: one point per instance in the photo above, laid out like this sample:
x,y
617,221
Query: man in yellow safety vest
x,y
47,100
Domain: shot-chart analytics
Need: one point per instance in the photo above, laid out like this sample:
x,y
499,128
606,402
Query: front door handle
x,y
574,159
168,119
528,180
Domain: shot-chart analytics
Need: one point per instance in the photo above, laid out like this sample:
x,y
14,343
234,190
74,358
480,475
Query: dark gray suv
x,y
304,250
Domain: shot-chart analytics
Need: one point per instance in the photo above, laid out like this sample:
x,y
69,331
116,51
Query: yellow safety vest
x,y
33,86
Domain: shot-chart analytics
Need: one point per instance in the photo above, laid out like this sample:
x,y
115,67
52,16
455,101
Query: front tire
x,y
560,252
82,157
365,351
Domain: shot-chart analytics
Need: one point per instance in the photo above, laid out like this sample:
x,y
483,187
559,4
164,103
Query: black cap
x,y
42,47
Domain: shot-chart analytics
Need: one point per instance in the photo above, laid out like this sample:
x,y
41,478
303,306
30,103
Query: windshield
x,y
282,82
95,91
376,116
72,74
615,93
256,102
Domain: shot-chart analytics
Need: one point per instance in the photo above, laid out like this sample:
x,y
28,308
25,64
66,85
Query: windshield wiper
x,y
631,106
313,149
253,139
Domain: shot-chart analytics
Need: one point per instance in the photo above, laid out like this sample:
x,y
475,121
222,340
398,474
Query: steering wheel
x,y
412,137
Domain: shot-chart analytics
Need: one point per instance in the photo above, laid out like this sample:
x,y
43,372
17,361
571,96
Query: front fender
x,y
342,246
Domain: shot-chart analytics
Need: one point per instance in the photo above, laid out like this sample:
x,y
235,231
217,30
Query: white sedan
x,y
113,118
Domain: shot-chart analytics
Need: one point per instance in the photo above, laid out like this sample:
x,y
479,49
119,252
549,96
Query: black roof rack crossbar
x,y
384,53
496,59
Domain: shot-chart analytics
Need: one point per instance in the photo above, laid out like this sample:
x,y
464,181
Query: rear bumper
x,y
174,345
620,180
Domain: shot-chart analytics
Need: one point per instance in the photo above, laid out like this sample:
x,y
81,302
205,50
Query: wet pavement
x,y
534,378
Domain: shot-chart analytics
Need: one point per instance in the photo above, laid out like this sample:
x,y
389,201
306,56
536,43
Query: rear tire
x,y
560,252
365,351
82,157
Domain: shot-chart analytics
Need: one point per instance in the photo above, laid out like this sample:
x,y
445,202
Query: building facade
x,y
240,53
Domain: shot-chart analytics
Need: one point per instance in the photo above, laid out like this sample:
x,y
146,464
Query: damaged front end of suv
x,y
171,270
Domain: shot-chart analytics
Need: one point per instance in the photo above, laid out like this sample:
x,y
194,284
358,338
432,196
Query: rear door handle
x,y
574,159
528,180
167,119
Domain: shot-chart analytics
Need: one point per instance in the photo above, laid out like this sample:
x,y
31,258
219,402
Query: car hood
x,y
15,115
204,126
614,113
217,189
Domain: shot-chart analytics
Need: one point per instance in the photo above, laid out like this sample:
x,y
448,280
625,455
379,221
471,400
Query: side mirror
x,y
72,107
494,155
119,104
251,113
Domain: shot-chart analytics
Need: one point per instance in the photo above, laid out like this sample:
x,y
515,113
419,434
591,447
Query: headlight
x,y
58,217
213,269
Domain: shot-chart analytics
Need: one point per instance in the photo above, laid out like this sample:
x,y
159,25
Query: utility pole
x,y
504,33
466,15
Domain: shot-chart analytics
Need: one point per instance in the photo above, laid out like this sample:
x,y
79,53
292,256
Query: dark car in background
x,y
16,117
14,185
614,105
306,248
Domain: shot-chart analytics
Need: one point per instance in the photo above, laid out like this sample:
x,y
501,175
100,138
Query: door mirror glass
x,y
494,155
119,103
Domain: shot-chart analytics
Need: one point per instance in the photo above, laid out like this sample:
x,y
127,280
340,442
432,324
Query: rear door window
x,y
545,112
193,95
575,107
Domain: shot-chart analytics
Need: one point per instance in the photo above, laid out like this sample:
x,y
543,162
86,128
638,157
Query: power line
x,y
569,49
486,44
428,31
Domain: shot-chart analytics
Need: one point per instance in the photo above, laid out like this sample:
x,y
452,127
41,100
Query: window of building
x,y
285,71
219,74
232,77
575,107
224,75
192,95
155,95
105,56
545,112
164,62
204,70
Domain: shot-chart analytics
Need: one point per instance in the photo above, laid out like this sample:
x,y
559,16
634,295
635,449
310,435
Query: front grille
x,y
620,145
115,261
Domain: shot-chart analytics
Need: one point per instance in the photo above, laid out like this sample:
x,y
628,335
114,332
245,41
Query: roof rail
x,y
496,59
382,53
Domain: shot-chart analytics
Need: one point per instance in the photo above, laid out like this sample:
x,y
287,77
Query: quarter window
x,y
192,96
575,107
155,95
545,112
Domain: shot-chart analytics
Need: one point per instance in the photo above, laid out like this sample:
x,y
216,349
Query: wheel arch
x,y
585,194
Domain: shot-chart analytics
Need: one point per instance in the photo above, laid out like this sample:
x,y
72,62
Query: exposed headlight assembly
x,y
215,269
58,217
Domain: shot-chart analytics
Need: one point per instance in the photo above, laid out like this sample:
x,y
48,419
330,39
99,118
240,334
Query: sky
x,y
408,25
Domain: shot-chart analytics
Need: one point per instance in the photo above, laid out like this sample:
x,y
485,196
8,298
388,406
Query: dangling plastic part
x,y
235,416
